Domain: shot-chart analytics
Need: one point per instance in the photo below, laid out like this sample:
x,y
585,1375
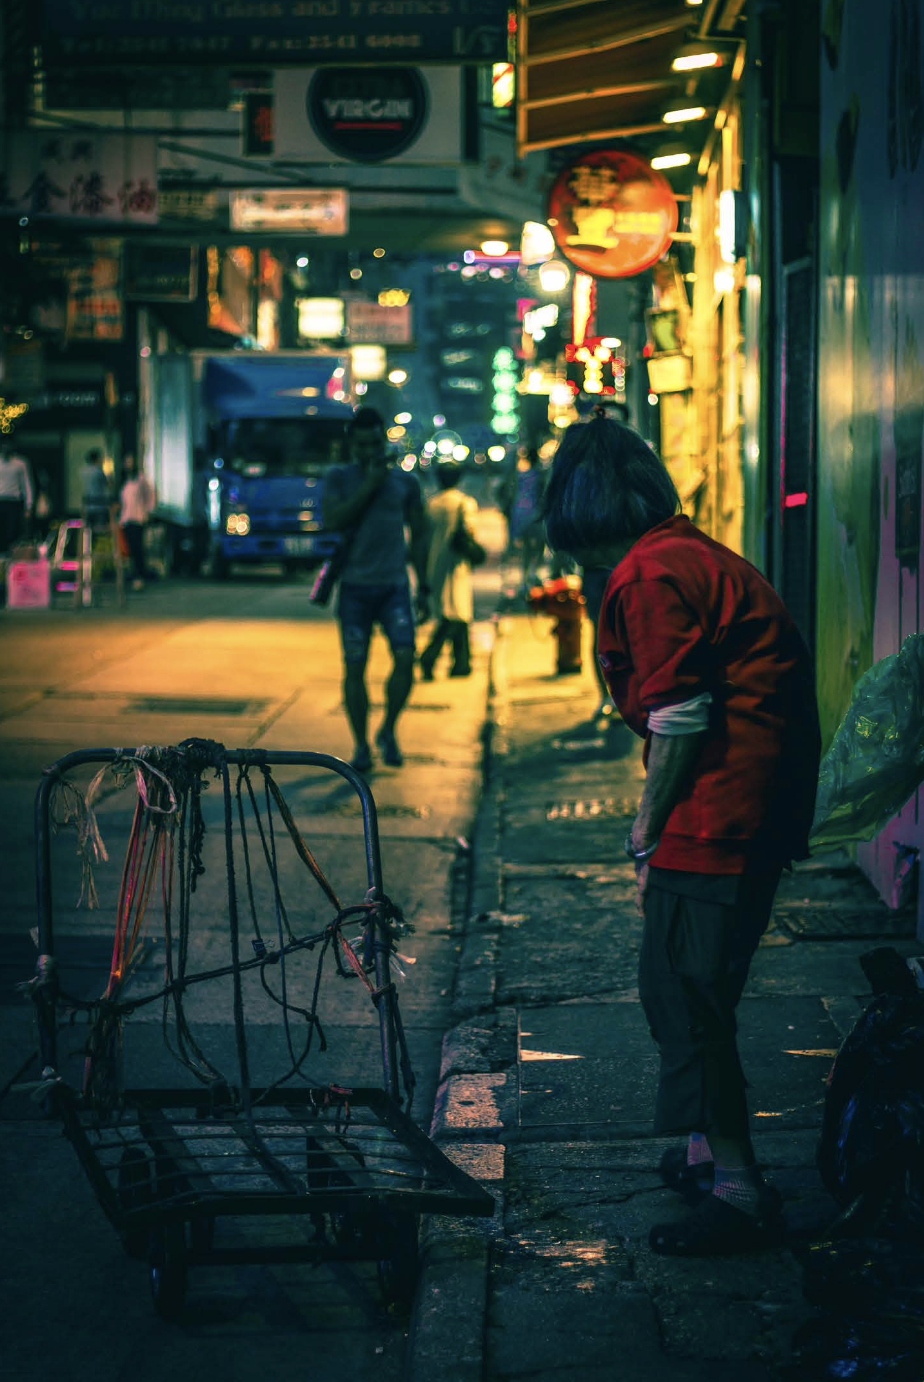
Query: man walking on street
x,y
15,498
705,663
95,492
372,503
449,574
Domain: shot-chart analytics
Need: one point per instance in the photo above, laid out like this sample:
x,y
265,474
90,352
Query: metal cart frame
x,y
168,1163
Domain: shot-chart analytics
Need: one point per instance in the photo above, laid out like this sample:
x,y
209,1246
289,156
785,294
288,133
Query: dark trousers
x,y
693,966
12,513
134,537
456,632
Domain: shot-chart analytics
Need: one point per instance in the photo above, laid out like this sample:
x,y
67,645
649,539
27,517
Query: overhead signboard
x,y
612,214
160,273
454,359
461,383
94,299
367,321
82,176
314,211
229,32
200,204
321,319
369,115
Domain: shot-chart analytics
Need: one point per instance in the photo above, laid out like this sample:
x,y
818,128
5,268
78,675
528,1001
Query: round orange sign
x,y
612,214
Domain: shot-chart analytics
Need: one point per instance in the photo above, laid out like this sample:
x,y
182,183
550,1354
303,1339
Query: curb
x,y
447,1331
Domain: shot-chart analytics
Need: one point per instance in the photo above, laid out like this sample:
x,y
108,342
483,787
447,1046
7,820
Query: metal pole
x,y
45,992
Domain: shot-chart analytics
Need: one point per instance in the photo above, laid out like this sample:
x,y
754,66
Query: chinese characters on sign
x,y
611,214
229,32
368,322
95,177
189,204
320,211
94,298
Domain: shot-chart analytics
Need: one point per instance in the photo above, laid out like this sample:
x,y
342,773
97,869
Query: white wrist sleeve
x,y
689,717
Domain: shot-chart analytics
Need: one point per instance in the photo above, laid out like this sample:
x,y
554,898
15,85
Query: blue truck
x,y
241,441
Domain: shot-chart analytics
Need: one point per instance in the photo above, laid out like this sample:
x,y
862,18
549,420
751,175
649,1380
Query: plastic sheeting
x,y
876,761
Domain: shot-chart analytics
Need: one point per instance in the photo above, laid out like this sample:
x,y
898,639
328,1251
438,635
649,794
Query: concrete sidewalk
x,y
548,1076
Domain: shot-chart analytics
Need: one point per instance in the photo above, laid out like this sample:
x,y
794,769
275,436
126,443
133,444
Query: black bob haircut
x,y
366,418
606,486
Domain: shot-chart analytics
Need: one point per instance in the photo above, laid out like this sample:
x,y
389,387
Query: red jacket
x,y
683,615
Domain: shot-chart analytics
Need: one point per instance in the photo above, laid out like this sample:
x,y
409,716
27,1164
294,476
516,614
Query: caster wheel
x,y
399,1269
135,1190
168,1270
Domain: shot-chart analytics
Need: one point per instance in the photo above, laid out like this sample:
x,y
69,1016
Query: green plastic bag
x,y
876,760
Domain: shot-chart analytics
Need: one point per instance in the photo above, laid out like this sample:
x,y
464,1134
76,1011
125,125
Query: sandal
x,y
716,1229
694,1183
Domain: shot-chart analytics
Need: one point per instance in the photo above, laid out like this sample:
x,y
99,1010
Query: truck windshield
x,y
258,447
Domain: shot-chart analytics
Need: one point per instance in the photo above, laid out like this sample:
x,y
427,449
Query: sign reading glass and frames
x,y
231,32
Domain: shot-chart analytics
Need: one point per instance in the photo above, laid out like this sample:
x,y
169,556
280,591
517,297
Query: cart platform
x,y
345,1169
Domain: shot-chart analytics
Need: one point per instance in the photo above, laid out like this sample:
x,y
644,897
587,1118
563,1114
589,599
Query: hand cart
x,y
346,1167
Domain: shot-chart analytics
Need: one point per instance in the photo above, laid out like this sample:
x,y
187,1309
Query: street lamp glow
x,y
397,377
494,249
612,342
694,62
439,420
444,446
302,261
429,448
460,452
554,276
403,418
679,117
496,453
671,161
378,254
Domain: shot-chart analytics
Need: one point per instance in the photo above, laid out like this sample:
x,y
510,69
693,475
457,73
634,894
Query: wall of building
x,y
871,364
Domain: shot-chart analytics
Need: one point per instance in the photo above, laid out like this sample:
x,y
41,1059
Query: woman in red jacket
x,y
705,663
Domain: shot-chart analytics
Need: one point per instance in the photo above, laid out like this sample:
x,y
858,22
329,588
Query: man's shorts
x,y
693,965
361,607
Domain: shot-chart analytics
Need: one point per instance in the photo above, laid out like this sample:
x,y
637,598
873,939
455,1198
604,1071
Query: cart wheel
x,y
135,1190
201,1233
168,1270
398,1271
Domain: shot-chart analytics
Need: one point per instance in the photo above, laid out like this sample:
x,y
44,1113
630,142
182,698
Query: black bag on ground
x,y
831,1348
871,1152
465,544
